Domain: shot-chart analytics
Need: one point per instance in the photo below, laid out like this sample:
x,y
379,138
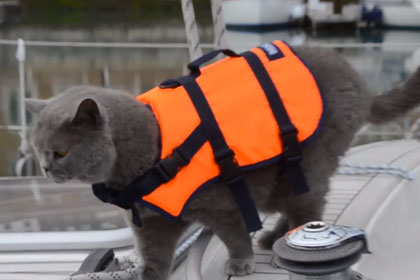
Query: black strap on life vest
x,y
195,65
161,173
231,173
292,154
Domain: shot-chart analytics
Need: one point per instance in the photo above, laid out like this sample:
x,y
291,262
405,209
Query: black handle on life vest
x,y
195,65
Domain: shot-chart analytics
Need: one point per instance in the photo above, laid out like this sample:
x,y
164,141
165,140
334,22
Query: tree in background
x,y
100,11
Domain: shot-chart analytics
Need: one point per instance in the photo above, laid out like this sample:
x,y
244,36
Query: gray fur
x,y
123,144
94,155
386,108
35,106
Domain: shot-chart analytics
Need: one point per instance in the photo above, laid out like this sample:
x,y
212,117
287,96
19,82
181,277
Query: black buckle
x,y
229,168
169,83
99,259
291,146
170,165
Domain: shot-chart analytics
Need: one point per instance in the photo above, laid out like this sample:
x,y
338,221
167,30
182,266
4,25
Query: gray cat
x,y
95,134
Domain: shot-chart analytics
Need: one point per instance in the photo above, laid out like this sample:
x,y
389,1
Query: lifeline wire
x,y
358,169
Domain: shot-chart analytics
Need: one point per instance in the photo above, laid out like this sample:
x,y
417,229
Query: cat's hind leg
x,y
298,209
268,238
305,208
230,228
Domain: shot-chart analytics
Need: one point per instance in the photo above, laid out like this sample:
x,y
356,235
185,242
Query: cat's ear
x,y
35,106
87,115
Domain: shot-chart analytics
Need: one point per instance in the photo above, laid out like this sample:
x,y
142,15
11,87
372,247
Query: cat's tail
x,y
396,102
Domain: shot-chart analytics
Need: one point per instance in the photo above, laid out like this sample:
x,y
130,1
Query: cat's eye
x,y
60,153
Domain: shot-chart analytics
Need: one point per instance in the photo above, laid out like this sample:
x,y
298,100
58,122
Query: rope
x,y
184,246
191,29
130,265
219,24
357,169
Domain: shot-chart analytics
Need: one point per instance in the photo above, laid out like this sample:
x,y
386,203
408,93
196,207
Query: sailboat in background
x,y
257,14
393,13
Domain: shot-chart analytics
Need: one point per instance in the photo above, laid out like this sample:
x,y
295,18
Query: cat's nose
x,y
45,171
45,165
46,168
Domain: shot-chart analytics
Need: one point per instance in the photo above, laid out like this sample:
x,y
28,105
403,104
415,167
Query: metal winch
x,y
318,250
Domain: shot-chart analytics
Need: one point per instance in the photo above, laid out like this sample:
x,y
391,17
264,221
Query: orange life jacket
x,y
234,115
242,112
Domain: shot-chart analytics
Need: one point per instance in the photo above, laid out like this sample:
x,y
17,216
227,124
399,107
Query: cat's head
x,y
71,139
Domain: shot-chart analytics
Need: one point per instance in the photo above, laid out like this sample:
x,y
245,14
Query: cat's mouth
x,y
59,180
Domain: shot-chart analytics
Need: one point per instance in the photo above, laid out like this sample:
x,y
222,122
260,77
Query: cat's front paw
x,y
240,267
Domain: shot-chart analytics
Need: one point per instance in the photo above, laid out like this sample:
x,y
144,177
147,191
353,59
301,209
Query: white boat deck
x,y
363,201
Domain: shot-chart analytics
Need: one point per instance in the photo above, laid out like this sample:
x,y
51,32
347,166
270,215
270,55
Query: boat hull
x,y
401,16
404,15
245,14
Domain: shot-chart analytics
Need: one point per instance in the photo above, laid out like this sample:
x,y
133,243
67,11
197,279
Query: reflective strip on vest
x,y
242,113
